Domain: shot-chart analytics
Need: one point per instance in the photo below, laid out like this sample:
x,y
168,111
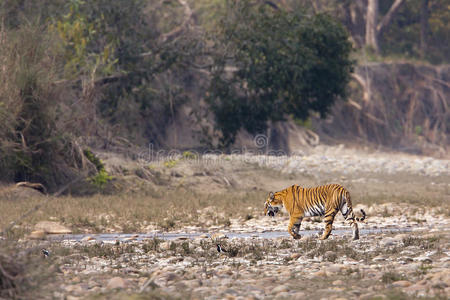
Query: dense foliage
x,y
76,73
402,38
71,70
283,63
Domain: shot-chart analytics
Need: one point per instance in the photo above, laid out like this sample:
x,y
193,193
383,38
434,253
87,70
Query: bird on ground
x,y
45,252
220,249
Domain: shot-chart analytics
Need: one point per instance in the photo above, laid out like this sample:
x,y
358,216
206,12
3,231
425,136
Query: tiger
x,y
324,200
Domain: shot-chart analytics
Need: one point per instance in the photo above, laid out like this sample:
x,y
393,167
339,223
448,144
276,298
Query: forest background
x,y
210,74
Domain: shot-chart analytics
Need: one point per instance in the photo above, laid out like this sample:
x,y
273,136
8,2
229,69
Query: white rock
x,y
164,246
117,283
37,235
52,227
280,288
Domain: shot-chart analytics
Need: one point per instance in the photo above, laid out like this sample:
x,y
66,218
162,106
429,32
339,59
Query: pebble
x,y
321,273
52,227
401,283
282,295
338,282
298,296
280,288
164,246
386,242
330,255
295,255
415,289
379,258
423,259
117,283
218,236
37,235
87,238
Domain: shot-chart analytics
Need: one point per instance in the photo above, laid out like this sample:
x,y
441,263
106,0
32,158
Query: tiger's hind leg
x,y
329,218
349,216
351,220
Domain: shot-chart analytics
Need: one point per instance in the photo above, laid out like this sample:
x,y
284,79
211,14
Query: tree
x,y
424,14
128,55
371,24
272,63
419,30
374,29
70,69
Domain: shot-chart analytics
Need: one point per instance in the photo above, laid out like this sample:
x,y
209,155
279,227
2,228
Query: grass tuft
x,y
389,277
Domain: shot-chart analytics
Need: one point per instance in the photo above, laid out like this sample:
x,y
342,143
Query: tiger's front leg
x,y
329,218
294,227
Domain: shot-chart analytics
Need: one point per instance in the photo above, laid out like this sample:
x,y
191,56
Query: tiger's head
x,y
272,205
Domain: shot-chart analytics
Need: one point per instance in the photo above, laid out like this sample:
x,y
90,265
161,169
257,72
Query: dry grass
x,y
170,209
22,271
391,276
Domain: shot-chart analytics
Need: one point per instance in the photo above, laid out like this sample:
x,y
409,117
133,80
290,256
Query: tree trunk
x,y
389,16
371,25
374,30
317,6
423,28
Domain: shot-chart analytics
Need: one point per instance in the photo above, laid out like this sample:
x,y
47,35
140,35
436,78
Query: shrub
x,y
101,179
33,143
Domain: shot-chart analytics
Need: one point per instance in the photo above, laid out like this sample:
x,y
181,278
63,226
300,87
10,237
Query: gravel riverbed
x,y
399,192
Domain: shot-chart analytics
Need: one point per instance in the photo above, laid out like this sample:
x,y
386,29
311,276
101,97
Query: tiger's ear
x,y
271,195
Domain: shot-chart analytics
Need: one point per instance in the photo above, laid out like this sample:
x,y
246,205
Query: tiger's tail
x,y
363,216
349,214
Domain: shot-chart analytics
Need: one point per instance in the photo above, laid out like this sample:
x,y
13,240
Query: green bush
x,y
101,179
286,63
189,155
94,159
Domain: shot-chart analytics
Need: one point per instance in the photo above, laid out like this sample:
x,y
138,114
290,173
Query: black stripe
x,y
293,198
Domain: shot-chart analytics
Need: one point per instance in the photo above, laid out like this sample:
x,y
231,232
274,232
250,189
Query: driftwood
x,y
37,186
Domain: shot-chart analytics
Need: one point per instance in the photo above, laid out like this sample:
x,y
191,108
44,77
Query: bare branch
x,y
271,4
187,17
387,19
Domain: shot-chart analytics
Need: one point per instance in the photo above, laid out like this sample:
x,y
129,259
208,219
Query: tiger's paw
x,y
323,237
296,236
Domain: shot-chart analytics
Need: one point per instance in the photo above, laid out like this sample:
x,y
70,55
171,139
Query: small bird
x,y
45,252
220,249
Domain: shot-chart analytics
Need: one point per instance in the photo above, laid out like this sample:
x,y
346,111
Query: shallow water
x,y
112,237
